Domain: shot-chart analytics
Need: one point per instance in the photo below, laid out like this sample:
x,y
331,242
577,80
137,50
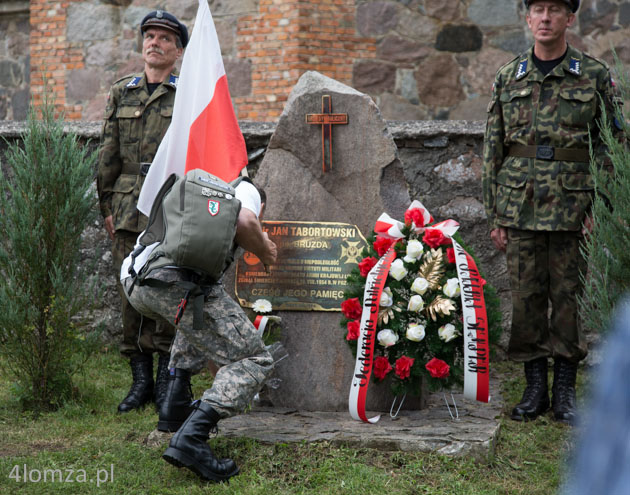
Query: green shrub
x,y
607,249
46,200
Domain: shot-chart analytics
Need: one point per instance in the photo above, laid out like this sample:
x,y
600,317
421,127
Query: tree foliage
x,y
46,200
607,249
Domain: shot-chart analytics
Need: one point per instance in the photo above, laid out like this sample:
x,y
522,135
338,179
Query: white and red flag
x,y
204,132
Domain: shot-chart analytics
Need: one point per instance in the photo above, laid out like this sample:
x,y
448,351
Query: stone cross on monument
x,y
326,119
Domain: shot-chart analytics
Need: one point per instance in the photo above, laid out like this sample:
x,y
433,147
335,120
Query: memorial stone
x,y
366,180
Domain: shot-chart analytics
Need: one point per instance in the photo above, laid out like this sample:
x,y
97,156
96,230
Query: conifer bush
x,y
607,249
46,200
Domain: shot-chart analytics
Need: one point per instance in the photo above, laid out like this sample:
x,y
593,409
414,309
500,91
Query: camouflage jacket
x,y
557,110
135,123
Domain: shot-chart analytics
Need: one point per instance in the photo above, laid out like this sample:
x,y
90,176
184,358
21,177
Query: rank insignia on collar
x,y
522,69
173,80
134,82
575,66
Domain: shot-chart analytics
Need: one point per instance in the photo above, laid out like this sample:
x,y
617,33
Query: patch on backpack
x,y
213,207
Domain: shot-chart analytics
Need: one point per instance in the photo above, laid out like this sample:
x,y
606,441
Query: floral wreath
x,y
419,326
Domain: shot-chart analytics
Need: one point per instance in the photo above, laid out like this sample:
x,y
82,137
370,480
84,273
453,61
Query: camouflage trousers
x,y
544,269
227,338
140,334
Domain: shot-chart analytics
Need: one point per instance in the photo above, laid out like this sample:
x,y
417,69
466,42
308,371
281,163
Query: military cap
x,y
164,20
573,4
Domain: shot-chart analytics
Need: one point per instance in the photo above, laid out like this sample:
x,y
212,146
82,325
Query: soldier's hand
x,y
587,228
499,238
109,227
271,251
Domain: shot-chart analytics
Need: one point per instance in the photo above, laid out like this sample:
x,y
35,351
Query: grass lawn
x,y
85,442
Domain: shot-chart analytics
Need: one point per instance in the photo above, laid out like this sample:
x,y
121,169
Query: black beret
x,y
572,4
164,20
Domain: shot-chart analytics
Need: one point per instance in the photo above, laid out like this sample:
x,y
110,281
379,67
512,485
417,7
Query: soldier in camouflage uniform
x,y
225,336
138,112
537,194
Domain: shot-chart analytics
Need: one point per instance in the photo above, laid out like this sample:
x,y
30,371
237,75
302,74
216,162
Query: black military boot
x,y
141,390
535,399
188,447
563,390
177,405
161,380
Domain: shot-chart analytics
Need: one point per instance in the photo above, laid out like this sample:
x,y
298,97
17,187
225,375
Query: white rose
x,y
416,303
398,270
414,251
447,332
415,332
420,285
387,298
386,337
261,306
451,288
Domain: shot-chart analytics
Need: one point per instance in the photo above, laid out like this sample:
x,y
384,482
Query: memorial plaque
x,y
314,259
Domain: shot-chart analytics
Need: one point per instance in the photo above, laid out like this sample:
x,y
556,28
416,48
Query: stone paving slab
x,y
475,433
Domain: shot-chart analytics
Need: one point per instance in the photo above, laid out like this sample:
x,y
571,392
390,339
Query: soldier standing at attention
x,y
537,194
139,110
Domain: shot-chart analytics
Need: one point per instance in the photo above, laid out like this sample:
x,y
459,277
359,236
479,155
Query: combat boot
x,y
563,390
141,391
161,380
188,447
535,399
177,405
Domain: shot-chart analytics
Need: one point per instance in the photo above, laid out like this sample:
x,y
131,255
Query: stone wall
x,y
418,59
442,167
14,60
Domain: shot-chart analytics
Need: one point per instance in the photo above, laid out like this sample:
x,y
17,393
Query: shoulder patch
x,y
173,80
575,66
134,83
124,78
521,69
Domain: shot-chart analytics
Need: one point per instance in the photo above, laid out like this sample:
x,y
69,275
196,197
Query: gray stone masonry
x,y
474,433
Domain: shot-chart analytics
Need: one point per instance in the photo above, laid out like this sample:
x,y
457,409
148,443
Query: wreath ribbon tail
x,y
374,285
476,347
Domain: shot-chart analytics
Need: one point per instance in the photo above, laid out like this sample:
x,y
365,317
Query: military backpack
x,y
194,220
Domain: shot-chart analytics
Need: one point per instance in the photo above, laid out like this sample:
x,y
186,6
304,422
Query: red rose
x,y
381,367
434,238
450,255
354,328
414,215
438,368
351,308
382,244
403,366
366,265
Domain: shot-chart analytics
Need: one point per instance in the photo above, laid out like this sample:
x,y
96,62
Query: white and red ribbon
x,y
476,348
374,285
260,322
387,227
